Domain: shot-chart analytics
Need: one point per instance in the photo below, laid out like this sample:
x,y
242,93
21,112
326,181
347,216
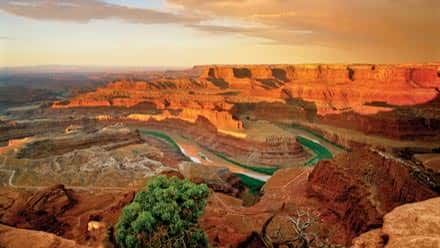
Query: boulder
x,y
220,179
19,238
41,210
414,225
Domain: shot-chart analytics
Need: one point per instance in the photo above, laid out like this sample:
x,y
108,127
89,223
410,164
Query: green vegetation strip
x,y
318,136
320,151
161,136
253,184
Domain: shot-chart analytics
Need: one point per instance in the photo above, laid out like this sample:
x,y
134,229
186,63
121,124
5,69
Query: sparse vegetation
x,y
305,224
165,214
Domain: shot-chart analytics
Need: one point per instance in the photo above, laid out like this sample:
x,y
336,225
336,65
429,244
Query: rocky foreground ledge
x,y
415,225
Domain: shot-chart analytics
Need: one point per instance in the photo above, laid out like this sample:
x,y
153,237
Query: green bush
x,y
164,215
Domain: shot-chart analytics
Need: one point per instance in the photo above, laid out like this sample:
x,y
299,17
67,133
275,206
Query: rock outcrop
x,y
18,238
251,151
41,210
395,101
108,137
169,101
228,223
217,178
10,130
360,187
84,217
415,225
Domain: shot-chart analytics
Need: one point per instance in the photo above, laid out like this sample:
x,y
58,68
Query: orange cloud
x,y
392,30
404,28
87,10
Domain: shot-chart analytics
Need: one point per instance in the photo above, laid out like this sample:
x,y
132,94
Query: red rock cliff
x,y
362,186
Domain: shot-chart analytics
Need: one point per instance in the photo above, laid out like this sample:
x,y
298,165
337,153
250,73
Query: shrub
x,y
164,215
306,229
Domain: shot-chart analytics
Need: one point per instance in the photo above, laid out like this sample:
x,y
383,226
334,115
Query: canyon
x,y
355,146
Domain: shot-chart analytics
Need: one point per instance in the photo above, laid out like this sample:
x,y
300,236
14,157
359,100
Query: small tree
x,y
306,235
164,215
303,223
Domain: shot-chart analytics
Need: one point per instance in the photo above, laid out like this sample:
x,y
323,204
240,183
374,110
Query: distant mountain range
x,y
84,69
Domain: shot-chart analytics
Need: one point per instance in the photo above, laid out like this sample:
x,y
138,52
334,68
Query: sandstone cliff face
x,y
411,225
77,217
219,179
168,99
223,120
424,75
340,88
41,210
18,238
362,186
229,224
387,100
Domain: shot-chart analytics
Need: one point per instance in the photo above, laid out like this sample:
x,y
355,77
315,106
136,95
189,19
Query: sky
x,y
193,32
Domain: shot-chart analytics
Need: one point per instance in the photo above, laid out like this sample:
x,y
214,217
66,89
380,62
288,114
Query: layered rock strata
x,y
360,187
245,150
108,137
395,101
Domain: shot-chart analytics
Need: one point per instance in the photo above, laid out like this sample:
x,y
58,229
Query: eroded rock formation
x,y
80,216
228,223
246,150
389,100
410,225
41,210
362,186
109,137
16,129
217,178
11,237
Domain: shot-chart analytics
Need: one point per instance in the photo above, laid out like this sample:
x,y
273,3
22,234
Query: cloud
x,y
394,26
397,28
221,29
83,11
